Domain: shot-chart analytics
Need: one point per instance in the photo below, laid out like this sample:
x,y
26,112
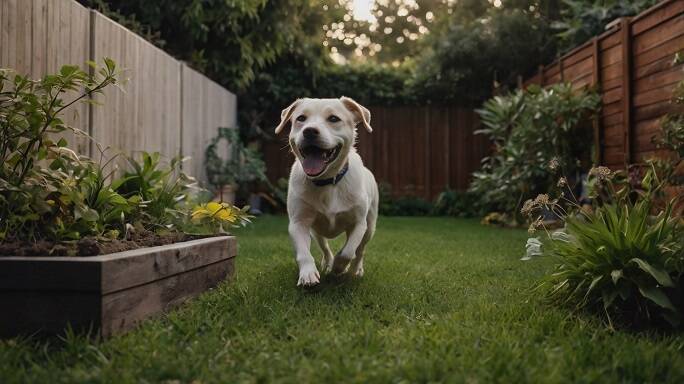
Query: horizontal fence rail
x,y
418,151
632,64
165,106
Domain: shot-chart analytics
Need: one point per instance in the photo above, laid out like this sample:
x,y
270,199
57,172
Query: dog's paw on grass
x,y
308,277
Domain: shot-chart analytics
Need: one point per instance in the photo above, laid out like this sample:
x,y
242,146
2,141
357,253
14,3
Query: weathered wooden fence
x,y
165,107
418,151
632,64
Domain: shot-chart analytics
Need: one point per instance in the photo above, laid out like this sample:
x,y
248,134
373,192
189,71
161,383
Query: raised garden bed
x,y
110,293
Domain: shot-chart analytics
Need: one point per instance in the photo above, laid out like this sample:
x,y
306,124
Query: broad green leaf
x,y
661,276
657,296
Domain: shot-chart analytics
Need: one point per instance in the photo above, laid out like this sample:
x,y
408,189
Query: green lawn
x,y
443,300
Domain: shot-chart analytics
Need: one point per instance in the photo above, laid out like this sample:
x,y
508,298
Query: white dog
x,y
330,190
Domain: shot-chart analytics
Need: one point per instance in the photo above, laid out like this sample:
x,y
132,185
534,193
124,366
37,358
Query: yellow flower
x,y
217,211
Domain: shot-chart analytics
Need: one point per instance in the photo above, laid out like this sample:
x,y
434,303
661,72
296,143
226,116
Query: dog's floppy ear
x,y
362,114
285,116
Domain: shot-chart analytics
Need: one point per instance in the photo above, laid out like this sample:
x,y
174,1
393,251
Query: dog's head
x,y
323,132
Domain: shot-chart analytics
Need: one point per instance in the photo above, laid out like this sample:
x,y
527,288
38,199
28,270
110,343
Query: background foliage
x,y
531,129
49,192
432,51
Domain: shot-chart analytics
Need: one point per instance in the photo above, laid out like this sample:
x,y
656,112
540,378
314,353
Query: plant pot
x,y
108,294
226,194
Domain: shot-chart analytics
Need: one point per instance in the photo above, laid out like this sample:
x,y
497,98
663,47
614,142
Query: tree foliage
x,y
271,52
228,40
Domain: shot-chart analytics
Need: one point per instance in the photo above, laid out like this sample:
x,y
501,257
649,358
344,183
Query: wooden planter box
x,y
108,293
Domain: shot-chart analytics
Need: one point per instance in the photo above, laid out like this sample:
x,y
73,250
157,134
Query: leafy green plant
x,y
402,206
162,189
41,189
529,130
48,192
455,203
619,258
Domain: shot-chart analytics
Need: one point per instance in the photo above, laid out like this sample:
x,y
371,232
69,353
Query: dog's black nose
x,y
310,133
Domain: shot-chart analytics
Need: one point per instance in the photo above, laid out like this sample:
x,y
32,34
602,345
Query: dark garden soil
x,y
92,246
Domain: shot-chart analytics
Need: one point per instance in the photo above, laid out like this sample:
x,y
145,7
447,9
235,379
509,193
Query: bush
x,y
48,192
402,206
616,259
455,203
531,129
448,203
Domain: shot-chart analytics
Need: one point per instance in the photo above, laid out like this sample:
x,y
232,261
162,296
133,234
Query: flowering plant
x,y
213,216
618,257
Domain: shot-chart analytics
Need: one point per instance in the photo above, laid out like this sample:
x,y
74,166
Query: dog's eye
x,y
333,119
301,118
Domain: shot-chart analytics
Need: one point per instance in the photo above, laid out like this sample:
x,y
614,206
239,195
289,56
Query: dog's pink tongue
x,y
313,165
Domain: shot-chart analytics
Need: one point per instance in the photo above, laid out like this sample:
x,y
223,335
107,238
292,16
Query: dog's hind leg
x,y
356,267
327,260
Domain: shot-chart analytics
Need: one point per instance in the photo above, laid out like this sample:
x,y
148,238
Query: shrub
x,y
529,129
48,192
617,259
455,203
402,206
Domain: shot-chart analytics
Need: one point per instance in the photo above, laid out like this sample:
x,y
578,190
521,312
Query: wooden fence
x,y
632,64
165,107
418,151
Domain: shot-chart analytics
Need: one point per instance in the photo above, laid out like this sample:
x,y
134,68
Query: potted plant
x,y
87,246
237,169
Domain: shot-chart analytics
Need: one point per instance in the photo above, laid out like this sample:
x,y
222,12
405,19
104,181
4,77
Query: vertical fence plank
x,y
39,38
626,43
596,82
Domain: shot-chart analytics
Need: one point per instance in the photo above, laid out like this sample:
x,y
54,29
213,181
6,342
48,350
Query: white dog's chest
x,y
333,225
334,214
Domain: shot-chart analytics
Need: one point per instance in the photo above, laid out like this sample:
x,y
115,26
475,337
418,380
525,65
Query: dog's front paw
x,y
308,276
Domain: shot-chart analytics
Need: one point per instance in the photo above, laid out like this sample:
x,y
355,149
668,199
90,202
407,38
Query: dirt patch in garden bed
x,y
93,246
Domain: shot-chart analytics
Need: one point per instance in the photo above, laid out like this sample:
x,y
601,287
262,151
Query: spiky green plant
x,y
621,258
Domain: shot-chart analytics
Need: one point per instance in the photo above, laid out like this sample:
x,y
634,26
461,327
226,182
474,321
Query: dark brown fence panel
x,y
418,151
657,37
632,65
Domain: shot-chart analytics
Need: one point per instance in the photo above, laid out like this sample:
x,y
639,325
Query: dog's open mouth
x,y
316,159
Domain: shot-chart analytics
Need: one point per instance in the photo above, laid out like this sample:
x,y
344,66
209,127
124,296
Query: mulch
x,y
92,246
